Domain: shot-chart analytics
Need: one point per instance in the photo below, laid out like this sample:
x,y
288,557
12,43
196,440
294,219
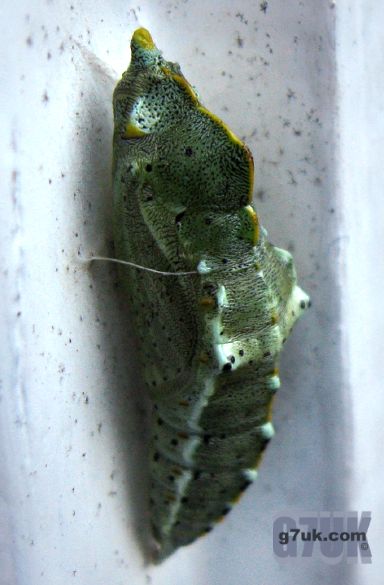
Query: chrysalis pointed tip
x,y
142,39
160,552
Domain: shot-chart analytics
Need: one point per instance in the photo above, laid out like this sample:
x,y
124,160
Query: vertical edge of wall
x,y
361,180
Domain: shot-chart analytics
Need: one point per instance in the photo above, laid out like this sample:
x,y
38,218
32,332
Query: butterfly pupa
x,y
211,328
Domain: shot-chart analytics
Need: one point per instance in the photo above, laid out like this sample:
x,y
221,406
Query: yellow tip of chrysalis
x,y
142,38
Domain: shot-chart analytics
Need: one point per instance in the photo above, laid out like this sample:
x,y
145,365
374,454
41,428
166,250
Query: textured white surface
x,y
72,418
361,186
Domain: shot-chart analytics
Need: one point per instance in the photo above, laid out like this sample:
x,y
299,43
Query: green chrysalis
x,y
219,303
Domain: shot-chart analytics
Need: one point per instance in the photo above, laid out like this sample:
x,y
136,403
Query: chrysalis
x,y
213,319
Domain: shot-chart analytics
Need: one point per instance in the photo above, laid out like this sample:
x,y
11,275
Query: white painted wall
x,y
361,183
72,411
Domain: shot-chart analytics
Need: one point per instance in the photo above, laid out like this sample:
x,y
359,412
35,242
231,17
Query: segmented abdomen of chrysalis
x,y
210,335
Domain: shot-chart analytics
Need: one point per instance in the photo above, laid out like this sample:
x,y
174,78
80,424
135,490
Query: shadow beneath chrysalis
x,y
122,391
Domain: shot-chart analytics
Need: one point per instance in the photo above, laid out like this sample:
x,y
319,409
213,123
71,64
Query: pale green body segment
x,y
209,341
